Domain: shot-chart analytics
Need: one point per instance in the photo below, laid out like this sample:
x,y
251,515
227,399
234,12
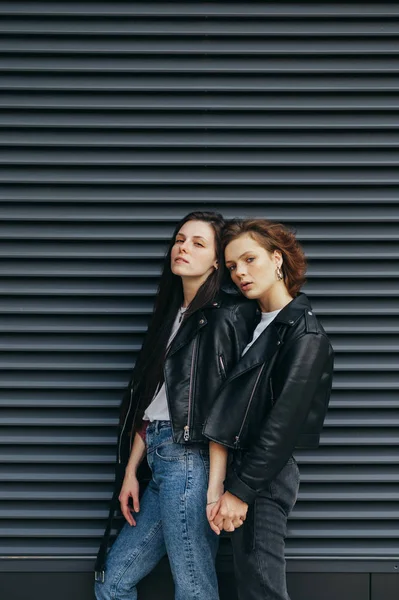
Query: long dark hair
x,y
148,371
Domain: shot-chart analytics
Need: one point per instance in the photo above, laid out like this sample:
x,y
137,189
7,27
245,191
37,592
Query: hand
x,y
214,494
231,514
211,512
130,489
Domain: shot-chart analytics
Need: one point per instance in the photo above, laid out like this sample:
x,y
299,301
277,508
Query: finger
x,y
214,527
218,521
123,500
125,509
215,510
228,525
128,515
208,515
136,503
237,523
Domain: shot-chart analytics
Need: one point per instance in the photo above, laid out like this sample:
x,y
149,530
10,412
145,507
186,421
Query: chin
x,y
180,269
177,269
251,295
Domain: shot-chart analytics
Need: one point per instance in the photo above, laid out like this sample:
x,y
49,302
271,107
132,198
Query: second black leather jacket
x,y
275,399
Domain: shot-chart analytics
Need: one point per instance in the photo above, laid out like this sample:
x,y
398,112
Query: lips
x,y
181,259
246,285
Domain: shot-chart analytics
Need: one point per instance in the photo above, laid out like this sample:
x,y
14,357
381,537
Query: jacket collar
x,y
193,324
187,331
269,342
293,310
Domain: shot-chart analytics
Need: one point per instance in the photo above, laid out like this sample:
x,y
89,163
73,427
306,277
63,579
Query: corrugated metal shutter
x,y
116,119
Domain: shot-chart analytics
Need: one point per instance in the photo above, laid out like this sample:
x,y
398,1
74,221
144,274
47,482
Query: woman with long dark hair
x,y
275,400
195,337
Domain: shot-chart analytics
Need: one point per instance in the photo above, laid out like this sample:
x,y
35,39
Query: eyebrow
x,y
195,237
227,262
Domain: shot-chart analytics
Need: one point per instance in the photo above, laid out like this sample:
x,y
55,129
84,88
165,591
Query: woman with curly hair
x,y
274,401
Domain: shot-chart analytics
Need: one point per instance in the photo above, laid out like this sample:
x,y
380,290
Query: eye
x,y
250,259
198,244
231,268
178,241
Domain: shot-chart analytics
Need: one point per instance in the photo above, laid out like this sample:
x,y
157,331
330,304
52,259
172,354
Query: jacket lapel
x,y
187,332
261,351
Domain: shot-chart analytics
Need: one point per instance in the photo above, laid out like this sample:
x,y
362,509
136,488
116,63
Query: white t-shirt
x,y
158,409
265,321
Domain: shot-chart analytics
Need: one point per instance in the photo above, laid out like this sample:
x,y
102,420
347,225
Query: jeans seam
x,y
134,557
189,471
187,542
258,563
169,458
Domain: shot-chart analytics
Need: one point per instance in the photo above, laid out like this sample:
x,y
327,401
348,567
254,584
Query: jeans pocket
x,y
295,469
170,451
204,454
284,487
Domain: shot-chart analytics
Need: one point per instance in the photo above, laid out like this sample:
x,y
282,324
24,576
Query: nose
x,y
241,271
183,247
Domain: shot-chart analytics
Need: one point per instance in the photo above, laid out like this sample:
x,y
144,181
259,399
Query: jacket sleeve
x,y
306,360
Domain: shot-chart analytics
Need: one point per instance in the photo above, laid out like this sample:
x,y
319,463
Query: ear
x,y
216,265
278,258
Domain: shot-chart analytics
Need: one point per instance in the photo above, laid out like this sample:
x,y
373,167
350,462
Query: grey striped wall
x,y
117,118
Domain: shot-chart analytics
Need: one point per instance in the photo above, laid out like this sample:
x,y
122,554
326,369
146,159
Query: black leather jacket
x,y
205,349
275,399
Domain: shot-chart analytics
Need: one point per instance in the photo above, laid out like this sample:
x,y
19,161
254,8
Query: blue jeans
x,y
259,545
172,520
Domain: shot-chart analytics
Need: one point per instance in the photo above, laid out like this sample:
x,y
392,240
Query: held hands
x,y
130,489
228,513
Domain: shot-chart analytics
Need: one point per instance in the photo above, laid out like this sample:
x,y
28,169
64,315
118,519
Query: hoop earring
x,y
279,273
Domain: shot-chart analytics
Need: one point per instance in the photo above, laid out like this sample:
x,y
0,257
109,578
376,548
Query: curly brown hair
x,y
273,236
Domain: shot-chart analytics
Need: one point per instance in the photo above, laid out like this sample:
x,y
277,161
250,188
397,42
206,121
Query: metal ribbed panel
x,y
115,120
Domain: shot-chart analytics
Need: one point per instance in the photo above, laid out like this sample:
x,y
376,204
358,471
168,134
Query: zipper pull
x,y
186,435
236,441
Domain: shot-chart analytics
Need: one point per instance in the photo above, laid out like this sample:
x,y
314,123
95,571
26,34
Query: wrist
x,y
214,493
131,471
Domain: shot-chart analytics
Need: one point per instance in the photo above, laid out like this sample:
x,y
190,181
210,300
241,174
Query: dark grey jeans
x,y
259,545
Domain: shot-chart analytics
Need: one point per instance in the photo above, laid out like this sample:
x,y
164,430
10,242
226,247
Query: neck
x,y
191,285
275,298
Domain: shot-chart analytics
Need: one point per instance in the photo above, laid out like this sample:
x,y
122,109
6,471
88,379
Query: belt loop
x,y
157,427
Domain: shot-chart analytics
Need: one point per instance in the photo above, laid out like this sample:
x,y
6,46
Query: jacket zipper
x,y
124,425
223,368
186,435
237,437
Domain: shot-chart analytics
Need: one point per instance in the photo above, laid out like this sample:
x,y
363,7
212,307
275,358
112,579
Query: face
x,y
252,268
193,253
